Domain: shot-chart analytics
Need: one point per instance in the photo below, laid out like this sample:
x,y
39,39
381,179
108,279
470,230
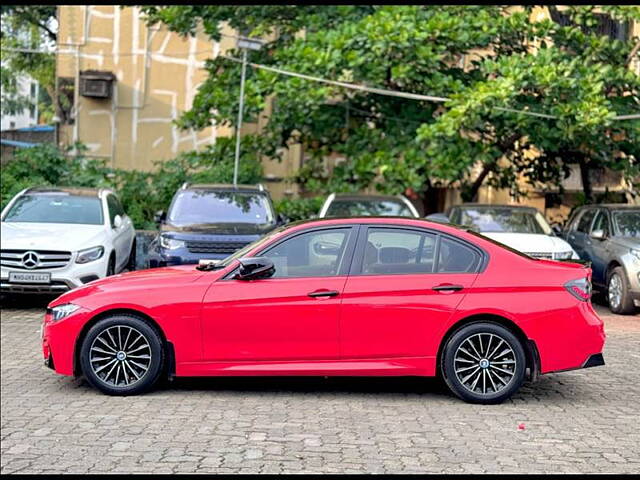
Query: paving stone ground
x,y
581,421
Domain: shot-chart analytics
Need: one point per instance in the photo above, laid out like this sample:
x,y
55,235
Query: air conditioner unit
x,y
96,84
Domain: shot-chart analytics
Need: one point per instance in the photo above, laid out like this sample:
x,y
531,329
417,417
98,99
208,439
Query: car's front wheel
x,y
483,363
122,355
618,294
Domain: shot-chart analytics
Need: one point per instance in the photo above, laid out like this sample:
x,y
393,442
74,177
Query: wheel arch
x,y
169,366
530,349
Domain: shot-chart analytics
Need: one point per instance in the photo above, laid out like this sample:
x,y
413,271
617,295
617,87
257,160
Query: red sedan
x,y
353,296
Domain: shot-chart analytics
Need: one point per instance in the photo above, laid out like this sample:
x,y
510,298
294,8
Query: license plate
x,y
20,277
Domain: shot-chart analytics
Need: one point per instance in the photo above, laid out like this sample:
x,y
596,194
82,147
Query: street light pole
x,y
244,43
239,126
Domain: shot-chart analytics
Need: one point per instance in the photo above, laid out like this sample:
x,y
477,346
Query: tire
x,y
131,263
111,266
618,295
464,353
107,369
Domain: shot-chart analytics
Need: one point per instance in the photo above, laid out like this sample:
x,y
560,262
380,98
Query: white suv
x,y
56,239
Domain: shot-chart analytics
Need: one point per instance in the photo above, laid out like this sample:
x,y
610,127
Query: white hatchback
x,y
56,239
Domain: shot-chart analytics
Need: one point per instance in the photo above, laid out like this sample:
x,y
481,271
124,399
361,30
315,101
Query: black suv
x,y
211,222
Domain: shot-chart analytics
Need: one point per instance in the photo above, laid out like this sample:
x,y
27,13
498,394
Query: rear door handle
x,y
323,293
447,288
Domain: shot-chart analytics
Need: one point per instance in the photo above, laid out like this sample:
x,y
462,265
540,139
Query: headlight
x,y
636,254
563,255
90,254
62,311
170,243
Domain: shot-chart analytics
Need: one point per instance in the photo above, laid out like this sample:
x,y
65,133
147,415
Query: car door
x,y
291,316
597,250
121,236
404,285
579,232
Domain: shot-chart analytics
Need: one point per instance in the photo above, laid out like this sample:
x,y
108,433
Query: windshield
x,y
373,207
56,208
197,207
508,220
627,223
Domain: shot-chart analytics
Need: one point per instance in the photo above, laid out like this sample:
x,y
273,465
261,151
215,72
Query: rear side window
x,y
585,221
392,251
455,257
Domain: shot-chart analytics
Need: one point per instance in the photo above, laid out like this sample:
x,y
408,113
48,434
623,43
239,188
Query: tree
x,y
483,58
27,30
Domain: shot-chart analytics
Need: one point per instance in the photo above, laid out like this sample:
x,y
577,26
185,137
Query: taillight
x,y
580,288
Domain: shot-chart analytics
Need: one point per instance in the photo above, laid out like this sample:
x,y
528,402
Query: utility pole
x,y
245,44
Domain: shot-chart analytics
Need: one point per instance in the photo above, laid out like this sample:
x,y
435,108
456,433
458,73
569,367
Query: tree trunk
x,y
586,180
470,194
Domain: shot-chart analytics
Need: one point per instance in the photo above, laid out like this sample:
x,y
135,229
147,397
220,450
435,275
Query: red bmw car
x,y
351,296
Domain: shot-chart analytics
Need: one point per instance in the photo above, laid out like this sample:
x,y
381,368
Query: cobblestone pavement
x,y
581,421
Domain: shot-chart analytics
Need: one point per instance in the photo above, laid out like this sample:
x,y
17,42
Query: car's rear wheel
x,y
122,355
483,363
618,294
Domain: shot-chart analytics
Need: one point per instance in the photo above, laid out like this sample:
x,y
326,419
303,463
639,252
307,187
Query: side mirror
x,y
255,268
438,217
159,217
117,221
598,234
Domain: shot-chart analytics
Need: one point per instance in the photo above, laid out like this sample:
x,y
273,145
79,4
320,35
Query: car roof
x,y
224,187
80,191
494,205
365,219
612,206
364,196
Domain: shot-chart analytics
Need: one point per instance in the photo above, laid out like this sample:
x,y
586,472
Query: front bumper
x,y
62,279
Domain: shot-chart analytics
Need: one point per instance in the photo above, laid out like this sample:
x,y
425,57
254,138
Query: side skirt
x,y
405,366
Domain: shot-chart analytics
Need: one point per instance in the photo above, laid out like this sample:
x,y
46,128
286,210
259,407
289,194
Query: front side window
x,y
56,208
601,222
585,221
114,208
398,251
496,219
314,254
627,223
201,207
372,207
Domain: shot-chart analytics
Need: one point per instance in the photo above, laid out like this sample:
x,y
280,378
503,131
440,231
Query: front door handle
x,y
323,293
447,288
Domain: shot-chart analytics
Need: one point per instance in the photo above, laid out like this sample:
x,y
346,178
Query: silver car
x,y
608,235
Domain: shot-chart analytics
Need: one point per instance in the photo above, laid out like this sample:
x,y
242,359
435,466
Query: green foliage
x,y
299,208
481,57
141,193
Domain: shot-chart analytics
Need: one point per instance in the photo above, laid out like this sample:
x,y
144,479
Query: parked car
x,y
352,205
351,296
55,239
609,237
210,222
519,227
